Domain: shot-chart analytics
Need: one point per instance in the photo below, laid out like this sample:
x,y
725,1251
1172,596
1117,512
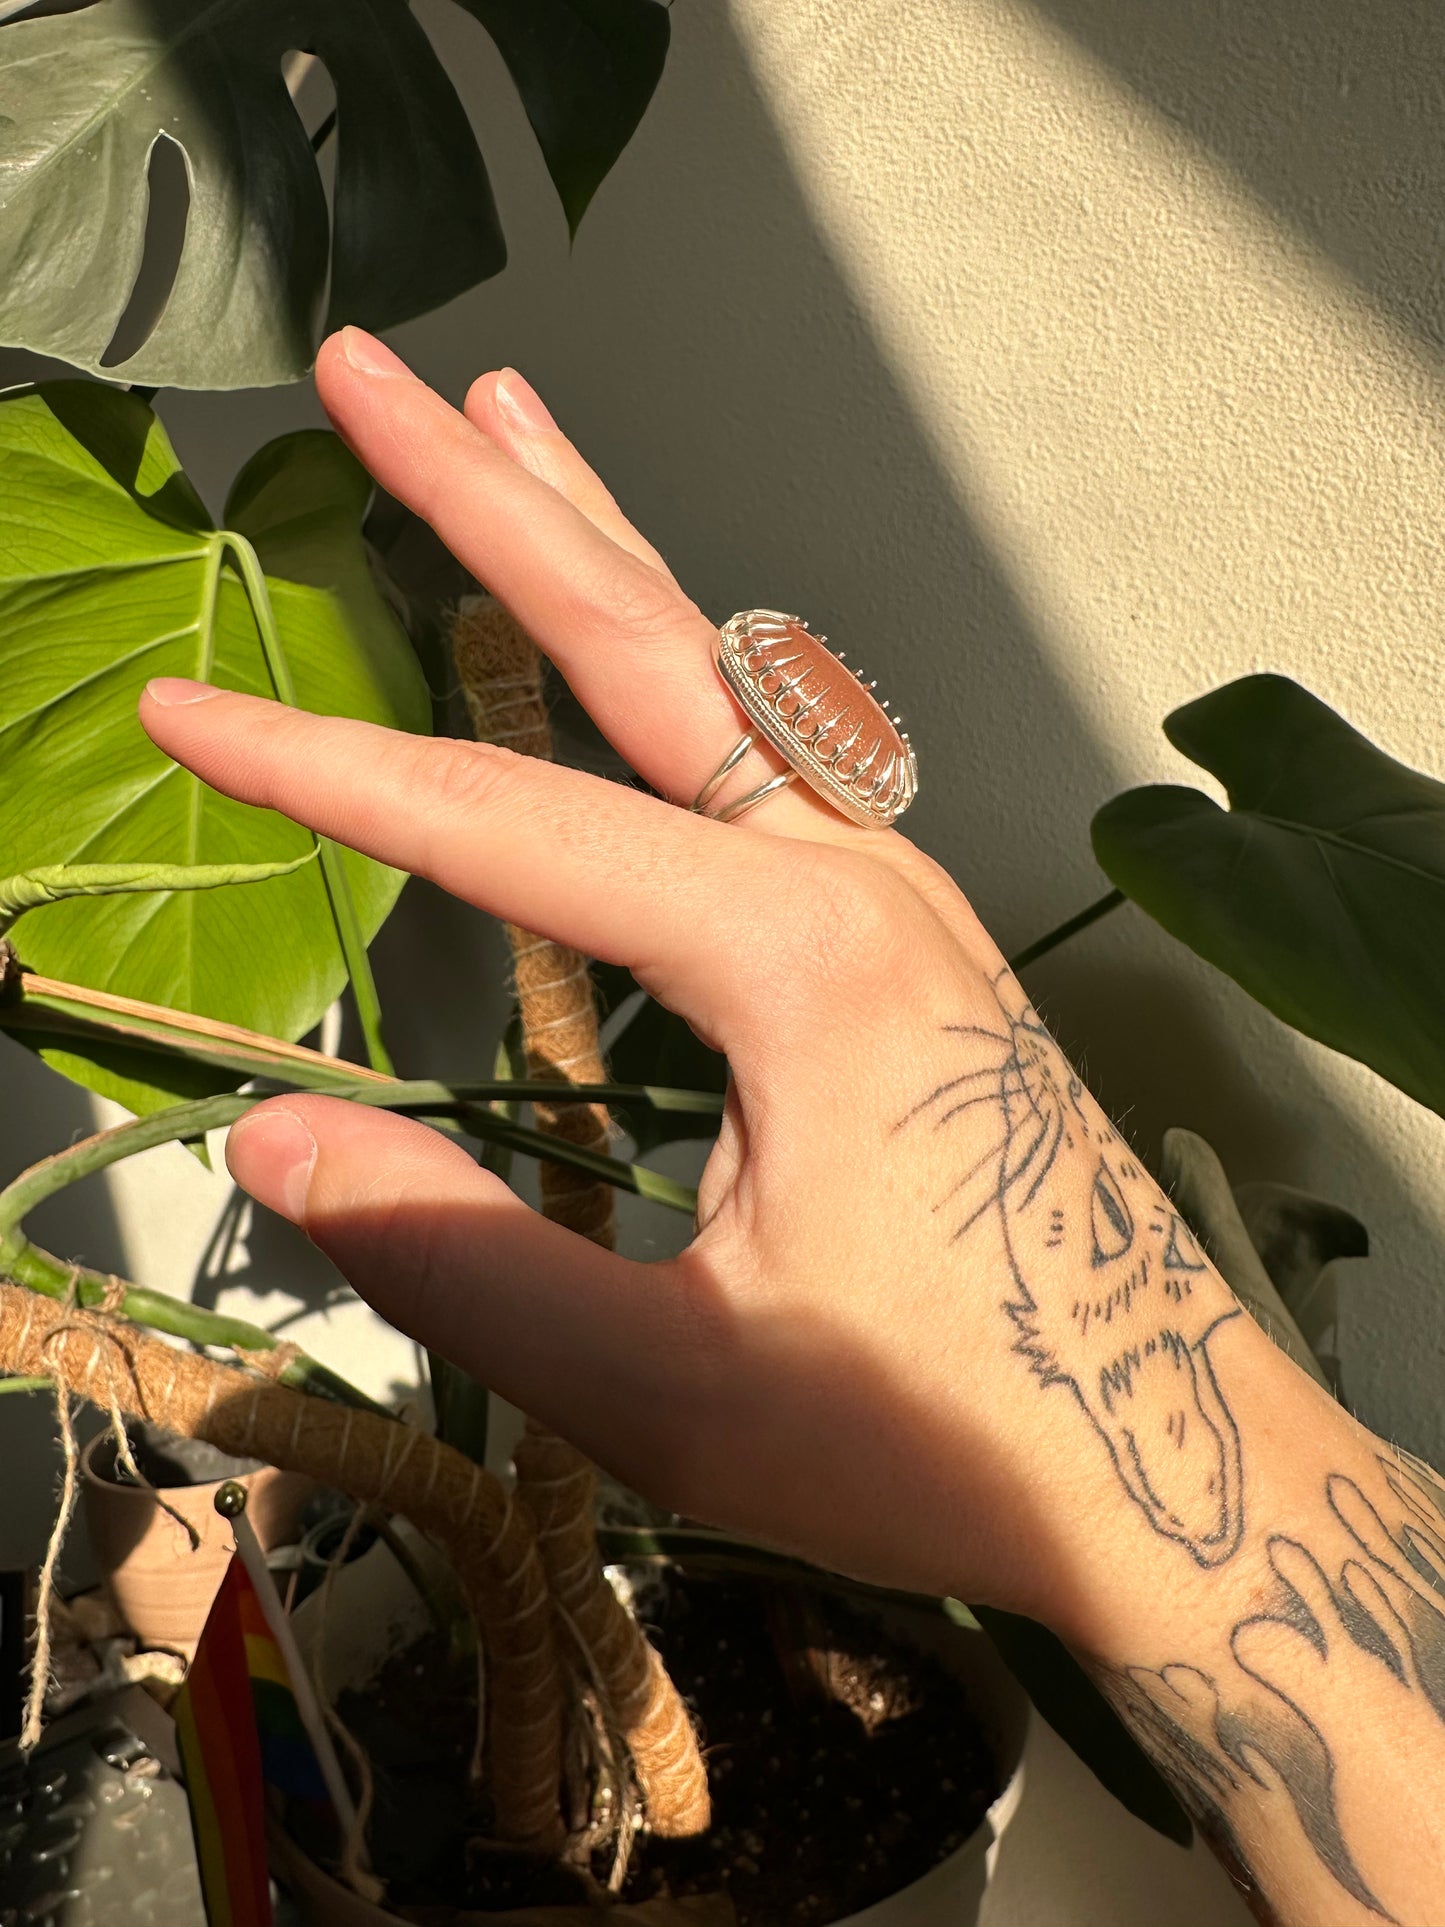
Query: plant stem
x,y
338,889
469,1102
51,1007
40,1271
26,1385
1041,946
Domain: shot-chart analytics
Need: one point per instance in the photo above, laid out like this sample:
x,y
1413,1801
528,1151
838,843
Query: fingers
x,y
635,650
1359,1518
1303,1574
615,874
1370,1533
596,1345
508,409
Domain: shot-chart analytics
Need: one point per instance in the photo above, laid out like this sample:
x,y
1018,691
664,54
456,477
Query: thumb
x,y
593,1344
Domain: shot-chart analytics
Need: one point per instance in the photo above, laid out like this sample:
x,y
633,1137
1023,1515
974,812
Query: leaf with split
x,y
111,572
1321,889
86,96
58,882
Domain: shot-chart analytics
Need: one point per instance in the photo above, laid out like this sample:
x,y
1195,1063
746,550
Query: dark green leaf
x,y
85,96
586,70
111,573
1298,1239
1084,1720
461,1407
656,1047
1321,889
1194,1178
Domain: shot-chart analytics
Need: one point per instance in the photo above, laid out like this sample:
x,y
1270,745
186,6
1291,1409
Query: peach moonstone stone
x,y
819,714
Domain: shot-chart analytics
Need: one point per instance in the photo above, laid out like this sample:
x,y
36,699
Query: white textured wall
x,y
1066,359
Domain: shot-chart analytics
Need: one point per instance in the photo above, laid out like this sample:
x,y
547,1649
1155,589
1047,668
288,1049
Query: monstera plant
x,y
1319,887
162,946
265,266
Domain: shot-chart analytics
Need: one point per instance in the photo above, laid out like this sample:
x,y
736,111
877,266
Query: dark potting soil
x,y
844,1764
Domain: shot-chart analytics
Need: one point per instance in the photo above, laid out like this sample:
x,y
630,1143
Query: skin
x,y
875,1351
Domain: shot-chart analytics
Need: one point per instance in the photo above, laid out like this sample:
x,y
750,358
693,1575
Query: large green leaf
x,y
85,96
111,573
1321,889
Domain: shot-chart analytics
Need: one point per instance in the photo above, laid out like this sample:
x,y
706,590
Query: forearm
x,y
1295,1695
1257,1582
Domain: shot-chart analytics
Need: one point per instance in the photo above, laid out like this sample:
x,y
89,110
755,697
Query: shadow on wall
x,y
701,345
1334,116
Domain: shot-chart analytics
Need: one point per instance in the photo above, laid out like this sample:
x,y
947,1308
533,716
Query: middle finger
x,y
635,650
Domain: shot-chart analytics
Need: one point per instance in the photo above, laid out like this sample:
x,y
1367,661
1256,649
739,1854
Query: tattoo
x,y
1072,1203
1107,1294
1268,1747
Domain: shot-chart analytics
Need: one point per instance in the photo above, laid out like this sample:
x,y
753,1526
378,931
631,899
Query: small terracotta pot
x,y
160,1587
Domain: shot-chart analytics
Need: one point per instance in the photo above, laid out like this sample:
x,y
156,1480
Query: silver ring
x,y
819,715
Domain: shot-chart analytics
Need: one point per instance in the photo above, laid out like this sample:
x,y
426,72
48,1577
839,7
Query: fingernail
x,y
272,1154
519,399
169,692
370,356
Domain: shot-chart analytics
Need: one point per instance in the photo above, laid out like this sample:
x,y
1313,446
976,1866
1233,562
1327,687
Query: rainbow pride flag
x,y
239,1733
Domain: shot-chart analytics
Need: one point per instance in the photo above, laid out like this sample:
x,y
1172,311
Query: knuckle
x,y
460,779
644,605
859,928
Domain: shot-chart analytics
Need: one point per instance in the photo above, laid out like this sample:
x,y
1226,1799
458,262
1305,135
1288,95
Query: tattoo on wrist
x,y
1103,1285
1264,1747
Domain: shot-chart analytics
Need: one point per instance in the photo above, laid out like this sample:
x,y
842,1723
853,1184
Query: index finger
x,y
635,650
556,850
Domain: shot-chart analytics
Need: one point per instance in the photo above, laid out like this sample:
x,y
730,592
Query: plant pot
x,y
375,1613
160,1586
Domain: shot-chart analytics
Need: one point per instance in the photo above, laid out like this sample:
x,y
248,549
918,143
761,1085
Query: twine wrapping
x,y
489,1539
500,671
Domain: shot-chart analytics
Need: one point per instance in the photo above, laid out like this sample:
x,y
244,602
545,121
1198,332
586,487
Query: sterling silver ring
x,y
818,714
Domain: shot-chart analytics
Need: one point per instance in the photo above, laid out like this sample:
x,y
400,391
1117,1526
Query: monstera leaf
x,y
1321,889
111,573
85,96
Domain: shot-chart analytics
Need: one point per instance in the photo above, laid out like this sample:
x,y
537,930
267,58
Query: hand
x,y
934,1316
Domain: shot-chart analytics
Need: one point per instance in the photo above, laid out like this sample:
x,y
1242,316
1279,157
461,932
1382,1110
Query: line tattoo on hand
x,y
1103,1281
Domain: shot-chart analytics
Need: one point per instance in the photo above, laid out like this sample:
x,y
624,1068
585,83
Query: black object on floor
x,y
94,1826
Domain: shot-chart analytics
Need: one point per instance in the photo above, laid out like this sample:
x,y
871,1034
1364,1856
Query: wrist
x,y
1109,1584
